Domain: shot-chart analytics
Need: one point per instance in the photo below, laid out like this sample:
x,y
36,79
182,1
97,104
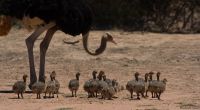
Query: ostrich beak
x,y
112,41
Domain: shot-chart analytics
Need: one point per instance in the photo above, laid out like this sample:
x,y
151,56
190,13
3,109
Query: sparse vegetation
x,y
184,105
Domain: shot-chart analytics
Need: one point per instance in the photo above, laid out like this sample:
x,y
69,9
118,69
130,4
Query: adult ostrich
x,y
72,17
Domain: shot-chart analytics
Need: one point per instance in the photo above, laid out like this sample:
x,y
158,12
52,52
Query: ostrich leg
x,y
30,43
43,48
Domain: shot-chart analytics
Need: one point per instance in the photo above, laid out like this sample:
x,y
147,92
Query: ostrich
x,y
73,17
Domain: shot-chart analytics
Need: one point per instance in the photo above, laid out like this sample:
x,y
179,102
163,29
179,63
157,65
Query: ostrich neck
x,y
98,51
113,83
94,77
25,80
158,78
77,77
100,77
136,78
52,78
150,78
146,78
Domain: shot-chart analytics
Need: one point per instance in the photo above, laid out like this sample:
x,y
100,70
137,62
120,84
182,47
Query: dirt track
x,y
177,57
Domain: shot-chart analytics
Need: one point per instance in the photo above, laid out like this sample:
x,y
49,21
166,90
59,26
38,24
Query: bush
x,y
147,15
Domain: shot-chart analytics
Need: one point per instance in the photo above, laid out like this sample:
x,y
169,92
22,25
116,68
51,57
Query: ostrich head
x,y
53,75
136,73
105,38
101,73
151,75
136,76
158,75
104,77
24,77
165,80
77,75
5,25
94,74
146,77
114,82
109,38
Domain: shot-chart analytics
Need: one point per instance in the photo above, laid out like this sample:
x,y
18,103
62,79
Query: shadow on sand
x,y
10,91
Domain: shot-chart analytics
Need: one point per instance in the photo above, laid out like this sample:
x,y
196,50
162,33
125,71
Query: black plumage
x,y
14,8
71,16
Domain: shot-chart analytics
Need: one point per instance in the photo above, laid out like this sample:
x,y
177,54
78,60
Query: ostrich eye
x,y
109,37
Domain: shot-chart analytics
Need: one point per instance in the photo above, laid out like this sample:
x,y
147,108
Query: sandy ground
x,y
177,57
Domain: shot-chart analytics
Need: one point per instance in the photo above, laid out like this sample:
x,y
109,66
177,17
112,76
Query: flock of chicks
x,y
107,88
51,87
142,86
99,85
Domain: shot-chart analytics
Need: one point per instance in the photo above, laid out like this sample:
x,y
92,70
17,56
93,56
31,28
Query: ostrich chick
x,y
20,86
50,87
136,85
102,84
90,86
152,84
38,88
108,81
93,86
74,84
57,84
110,90
161,87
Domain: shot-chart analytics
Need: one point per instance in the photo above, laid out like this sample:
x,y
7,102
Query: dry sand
x,y
177,57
